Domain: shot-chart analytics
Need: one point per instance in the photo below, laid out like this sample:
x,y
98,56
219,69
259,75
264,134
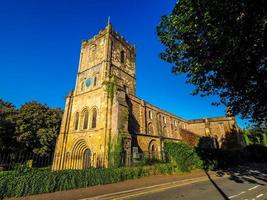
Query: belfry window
x,y
94,116
122,57
76,121
93,48
125,88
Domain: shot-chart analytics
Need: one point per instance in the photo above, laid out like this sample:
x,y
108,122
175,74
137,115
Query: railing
x,y
9,161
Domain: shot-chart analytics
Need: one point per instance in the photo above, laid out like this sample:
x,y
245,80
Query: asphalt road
x,y
243,183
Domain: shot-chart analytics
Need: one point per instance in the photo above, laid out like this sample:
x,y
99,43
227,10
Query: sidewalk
x,y
83,193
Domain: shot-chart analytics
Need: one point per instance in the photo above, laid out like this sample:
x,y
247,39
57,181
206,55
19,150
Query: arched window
x,y
153,149
164,130
85,119
150,114
150,128
93,48
164,119
94,116
76,121
122,57
82,86
159,117
207,131
95,79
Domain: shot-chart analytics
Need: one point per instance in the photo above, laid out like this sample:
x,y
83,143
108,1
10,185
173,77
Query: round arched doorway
x,y
153,150
87,158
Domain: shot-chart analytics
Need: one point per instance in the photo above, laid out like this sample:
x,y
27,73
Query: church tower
x,y
96,112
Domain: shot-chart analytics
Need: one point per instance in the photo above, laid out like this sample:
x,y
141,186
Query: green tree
x,y
37,127
7,126
221,46
256,134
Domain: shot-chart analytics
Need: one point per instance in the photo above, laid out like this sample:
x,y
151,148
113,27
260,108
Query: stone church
x,y
104,107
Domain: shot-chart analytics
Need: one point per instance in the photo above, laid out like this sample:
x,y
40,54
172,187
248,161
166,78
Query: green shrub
x,y
181,154
4,173
22,168
36,181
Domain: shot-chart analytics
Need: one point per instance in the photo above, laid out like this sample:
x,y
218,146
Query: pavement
x,y
244,182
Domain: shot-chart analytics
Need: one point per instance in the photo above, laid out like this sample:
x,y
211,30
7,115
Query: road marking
x,y
260,195
157,190
236,195
139,191
253,187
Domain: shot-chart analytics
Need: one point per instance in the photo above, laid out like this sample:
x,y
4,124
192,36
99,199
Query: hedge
x,y
37,181
187,157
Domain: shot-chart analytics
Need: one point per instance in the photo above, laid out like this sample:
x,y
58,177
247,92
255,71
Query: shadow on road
x,y
216,186
252,173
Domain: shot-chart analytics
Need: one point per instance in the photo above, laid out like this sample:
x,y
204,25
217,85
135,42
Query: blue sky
x,y
40,43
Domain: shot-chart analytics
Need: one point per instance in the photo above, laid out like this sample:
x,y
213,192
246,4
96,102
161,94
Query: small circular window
x,y
88,82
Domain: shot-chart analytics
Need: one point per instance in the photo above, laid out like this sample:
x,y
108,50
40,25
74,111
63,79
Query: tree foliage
x,y
37,127
256,134
7,126
221,46
33,128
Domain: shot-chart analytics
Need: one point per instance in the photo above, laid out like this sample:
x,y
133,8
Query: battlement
x,y
123,40
211,119
109,29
